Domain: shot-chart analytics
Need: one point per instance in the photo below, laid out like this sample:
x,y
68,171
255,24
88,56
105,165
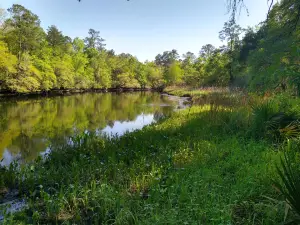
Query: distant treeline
x,y
266,58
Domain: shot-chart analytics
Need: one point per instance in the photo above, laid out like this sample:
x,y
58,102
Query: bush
x,y
268,121
289,184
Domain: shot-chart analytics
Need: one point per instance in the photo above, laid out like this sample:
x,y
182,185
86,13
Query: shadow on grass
x,y
195,166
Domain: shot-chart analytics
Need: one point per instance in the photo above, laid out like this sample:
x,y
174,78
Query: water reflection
x,y
27,127
119,127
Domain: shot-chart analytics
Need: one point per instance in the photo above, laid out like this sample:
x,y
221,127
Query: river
x,y
30,127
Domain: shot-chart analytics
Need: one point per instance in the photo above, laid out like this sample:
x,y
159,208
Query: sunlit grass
x,y
194,92
202,165
216,96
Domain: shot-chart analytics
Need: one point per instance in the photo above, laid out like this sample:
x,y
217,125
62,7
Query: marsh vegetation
x,y
231,157
210,163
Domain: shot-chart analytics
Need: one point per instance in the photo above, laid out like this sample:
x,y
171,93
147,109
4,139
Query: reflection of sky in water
x,y
46,152
32,126
8,158
119,128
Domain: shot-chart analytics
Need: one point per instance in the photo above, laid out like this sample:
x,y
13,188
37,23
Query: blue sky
x,y
143,28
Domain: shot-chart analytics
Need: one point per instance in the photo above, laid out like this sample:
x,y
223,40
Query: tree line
x,y
259,58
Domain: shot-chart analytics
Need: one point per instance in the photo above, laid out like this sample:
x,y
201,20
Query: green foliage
x,y
48,78
217,70
174,74
34,61
212,164
28,77
207,51
167,58
289,184
262,113
141,75
94,41
266,58
101,71
155,76
176,171
126,80
55,37
7,63
25,33
64,71
271,52
272,120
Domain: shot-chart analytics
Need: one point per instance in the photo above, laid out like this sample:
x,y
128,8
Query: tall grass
x,y
271,121
203,165
289,184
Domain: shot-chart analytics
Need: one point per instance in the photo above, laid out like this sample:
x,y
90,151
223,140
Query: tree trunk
x,y
231,63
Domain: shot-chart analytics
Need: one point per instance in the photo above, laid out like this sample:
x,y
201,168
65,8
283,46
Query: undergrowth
x,y
210,164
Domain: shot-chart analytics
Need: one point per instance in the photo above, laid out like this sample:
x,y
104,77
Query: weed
x,y
199,166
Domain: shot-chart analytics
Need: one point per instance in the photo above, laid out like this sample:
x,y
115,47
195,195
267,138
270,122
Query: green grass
x,y
213,96
194,92
201,166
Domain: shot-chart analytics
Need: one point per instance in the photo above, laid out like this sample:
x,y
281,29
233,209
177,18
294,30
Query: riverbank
x,y
210,164
30,125
61,92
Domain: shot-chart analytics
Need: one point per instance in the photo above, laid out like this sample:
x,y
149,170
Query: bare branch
x,y
270,7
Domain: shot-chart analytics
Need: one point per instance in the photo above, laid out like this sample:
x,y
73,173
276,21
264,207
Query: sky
x,y
143,28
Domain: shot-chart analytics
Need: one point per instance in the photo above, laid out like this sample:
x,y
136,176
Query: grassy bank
x,y
211,164
187,91
213,96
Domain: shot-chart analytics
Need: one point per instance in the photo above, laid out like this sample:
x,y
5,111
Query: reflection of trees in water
x,y
111,123
28,147
25,125
59,140
163,112
158,116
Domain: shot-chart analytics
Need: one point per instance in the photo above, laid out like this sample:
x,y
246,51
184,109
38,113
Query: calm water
x,y
29,127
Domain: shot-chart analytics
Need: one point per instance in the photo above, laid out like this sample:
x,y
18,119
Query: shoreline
x,y
163,164
66,92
